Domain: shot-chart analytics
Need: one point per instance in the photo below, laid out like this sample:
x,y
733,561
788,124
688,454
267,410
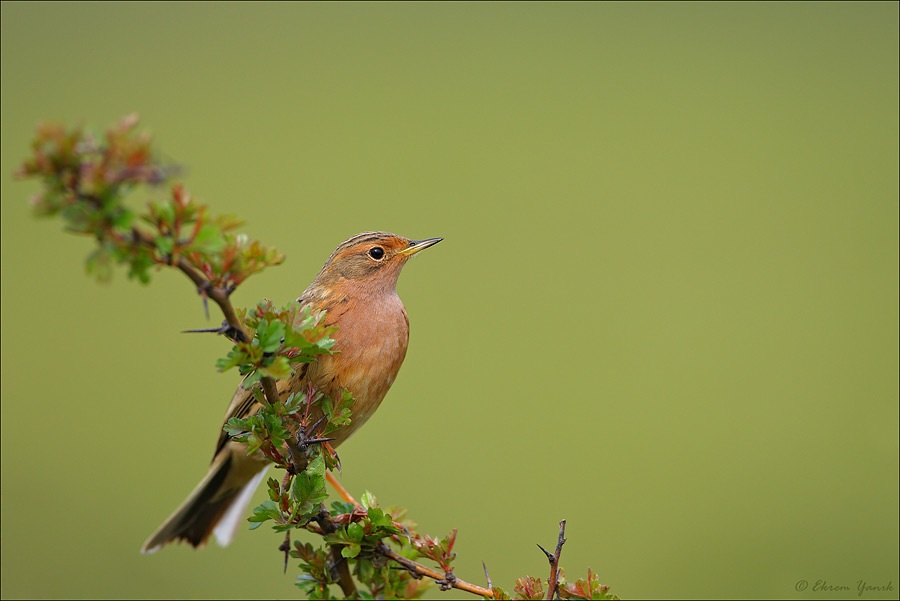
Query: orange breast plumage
x,y
370,349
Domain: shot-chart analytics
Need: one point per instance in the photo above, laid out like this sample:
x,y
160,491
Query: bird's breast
x,y
371,343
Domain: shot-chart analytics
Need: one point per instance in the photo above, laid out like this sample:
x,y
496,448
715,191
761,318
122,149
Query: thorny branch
x,y
553,558
222,297
446,581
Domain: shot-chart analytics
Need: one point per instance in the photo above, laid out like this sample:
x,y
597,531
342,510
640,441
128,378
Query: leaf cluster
x,y
295,501
439,551
85,180
361,533
529,587
279,340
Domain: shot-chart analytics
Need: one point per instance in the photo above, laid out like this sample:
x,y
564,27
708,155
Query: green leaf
x,y
317,467
368,500
339,507
209,239
500,594
308,488
356,532
139,264
294,403
164,244
351,551
252,377
263,513
377,517
302,487
279,368
270,335
236,427
327,407
164,212
122,219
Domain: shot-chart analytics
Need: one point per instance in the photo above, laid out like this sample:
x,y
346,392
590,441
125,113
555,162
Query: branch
x,y
344,580
219,295
269,387
340,571
447,581
553,558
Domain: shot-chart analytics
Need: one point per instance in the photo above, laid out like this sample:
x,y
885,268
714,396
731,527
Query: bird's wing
x,y
242,403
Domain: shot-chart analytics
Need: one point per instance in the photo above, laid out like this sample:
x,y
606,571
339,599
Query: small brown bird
x,y
357,289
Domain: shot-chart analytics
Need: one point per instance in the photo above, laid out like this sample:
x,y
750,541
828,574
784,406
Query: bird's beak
x,y
417,245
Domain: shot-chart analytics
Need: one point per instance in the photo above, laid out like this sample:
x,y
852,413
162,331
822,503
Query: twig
x,y
420,570
553,558
344,580
340,571
270,389
220,296
339,488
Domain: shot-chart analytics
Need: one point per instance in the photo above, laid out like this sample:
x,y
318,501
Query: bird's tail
x,y
216,505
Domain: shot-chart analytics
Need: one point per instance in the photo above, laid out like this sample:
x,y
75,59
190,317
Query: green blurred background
x,y
665,309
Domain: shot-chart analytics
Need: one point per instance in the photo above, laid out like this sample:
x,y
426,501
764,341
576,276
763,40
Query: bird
x,y
357,290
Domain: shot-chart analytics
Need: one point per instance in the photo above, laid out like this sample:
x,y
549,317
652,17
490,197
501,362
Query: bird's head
x,y
370,261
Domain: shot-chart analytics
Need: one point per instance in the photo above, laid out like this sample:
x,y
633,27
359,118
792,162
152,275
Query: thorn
x,y
220,330
316,425
318,440
225,329
202,291
303,442
285,547
487,576
549,555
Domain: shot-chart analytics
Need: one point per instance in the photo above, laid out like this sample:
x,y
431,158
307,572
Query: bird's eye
x,y
376,252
